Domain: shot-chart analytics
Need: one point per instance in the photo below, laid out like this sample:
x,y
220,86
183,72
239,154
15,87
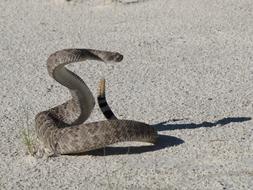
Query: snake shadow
x,y
166,125
163,141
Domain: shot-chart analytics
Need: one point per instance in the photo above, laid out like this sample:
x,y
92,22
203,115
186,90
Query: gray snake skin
x,y
61,129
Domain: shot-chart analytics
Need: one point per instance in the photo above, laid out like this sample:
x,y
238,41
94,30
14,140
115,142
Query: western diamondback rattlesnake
x,y
61,130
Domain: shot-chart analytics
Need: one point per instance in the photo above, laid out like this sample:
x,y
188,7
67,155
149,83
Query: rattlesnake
x,y
61,130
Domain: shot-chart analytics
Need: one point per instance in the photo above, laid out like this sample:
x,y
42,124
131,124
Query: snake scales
x,y
61,129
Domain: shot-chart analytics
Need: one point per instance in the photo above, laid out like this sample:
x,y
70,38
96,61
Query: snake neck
x,y
76,110
79,108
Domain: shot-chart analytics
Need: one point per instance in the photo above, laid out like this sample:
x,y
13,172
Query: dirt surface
x,y
187,70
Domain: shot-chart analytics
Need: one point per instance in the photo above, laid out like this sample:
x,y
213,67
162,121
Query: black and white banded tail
x,y
103,105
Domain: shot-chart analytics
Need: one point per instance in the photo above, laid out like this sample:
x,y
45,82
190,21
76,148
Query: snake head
x,y
117,57
110,56
105,56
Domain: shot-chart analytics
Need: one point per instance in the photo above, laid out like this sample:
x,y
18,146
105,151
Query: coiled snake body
x,y
61,130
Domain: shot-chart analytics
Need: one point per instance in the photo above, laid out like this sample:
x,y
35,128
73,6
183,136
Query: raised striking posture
x,y
61,130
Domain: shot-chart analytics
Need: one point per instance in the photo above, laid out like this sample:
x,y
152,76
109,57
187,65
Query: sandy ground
x,y
187,70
